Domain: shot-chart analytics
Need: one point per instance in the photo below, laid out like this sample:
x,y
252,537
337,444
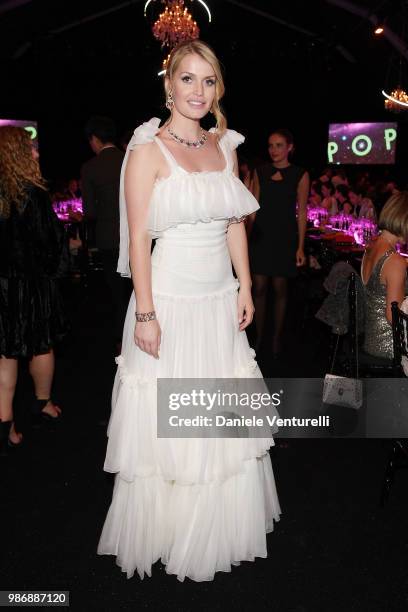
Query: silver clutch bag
x,y
343,391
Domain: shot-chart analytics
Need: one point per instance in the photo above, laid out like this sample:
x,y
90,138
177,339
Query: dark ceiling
x,y
295,63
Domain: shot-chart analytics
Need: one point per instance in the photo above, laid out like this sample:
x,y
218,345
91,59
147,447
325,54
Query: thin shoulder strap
x,y
377,268
169,157
383,259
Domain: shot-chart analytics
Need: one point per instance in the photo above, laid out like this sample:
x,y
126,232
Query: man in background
x,y
100,194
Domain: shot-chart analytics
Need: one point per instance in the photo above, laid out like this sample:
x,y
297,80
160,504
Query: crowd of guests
x,y
66,189
363,197
30,330
383,270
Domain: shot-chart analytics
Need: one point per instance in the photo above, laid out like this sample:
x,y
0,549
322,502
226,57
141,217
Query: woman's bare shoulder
x,y
147,150
394,266
398,260
145,158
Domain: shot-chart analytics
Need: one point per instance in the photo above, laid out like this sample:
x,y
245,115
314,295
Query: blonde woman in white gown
x,y
199,505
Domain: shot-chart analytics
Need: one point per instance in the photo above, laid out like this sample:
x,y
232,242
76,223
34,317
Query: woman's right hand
x,y
148,337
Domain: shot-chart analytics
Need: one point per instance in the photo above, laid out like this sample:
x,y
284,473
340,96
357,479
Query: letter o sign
x,y
361,145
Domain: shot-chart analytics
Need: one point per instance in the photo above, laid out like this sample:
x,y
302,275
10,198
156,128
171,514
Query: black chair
x,y
398,457
366,365
399,334
88,259
353,360
358,363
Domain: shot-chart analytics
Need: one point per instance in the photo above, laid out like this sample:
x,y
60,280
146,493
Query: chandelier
x,y
396,101
175,25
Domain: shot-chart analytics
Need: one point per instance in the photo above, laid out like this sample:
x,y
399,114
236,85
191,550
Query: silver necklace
x,y
195,144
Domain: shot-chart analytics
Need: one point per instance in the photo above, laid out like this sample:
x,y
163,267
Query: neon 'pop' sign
x,y
362,143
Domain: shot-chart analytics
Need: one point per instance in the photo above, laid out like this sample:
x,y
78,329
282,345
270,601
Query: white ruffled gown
x,y
199,505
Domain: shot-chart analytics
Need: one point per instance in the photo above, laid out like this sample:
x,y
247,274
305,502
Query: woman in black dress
x,y
33,253
276,235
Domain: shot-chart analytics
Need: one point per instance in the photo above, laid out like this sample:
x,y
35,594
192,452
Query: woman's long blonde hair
x,y
206,53
17,167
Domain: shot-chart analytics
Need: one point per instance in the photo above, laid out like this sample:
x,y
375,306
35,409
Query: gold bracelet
x,y
143,317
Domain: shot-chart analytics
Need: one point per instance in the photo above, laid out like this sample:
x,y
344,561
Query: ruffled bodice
x,y
187,197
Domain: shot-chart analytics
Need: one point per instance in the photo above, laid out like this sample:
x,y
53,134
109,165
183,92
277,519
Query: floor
x,y
335,548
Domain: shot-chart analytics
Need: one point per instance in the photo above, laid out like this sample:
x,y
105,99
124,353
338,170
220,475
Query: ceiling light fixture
x,y
397,100
175,25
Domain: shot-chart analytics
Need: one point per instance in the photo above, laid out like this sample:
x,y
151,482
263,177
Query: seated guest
x,y
339,178
383,272
73,190
58,191
343,202
355,197
326,176
363,181
392,188
315,197
367,210
329,202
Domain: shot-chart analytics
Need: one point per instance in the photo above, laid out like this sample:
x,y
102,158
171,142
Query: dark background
x,y
335,549
64,61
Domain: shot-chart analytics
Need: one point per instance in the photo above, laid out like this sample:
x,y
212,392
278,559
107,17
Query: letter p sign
x,y
390,135
332,149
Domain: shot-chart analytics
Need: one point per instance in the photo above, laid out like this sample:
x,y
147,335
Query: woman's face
x,y
354,198
193,87
73,185
325,191
278,148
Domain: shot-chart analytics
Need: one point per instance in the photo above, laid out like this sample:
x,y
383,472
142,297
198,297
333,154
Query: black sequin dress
x,y
274,237
33,255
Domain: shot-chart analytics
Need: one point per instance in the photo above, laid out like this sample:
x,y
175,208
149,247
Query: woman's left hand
x,y
245,308
300,257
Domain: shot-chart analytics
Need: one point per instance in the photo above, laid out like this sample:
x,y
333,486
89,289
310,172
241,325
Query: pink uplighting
x,y
362,230
65,208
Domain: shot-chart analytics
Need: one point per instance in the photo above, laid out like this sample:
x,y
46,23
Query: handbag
x,y
342,390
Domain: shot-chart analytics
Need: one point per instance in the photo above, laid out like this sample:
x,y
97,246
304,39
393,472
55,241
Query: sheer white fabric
x,y
200,505
185,197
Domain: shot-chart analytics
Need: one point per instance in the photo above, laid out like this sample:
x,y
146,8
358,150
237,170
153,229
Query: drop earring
x,y
169,101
